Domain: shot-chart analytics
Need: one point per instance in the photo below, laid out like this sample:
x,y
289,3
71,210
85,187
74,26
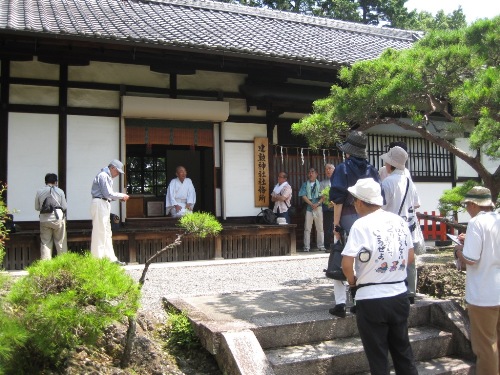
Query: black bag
x,y
266,216
334,270
50,204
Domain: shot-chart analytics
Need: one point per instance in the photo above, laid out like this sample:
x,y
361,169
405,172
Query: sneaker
x,y
306,250
322,249
353,309
338,310
120,263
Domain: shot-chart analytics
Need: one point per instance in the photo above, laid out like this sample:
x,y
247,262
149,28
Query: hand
x,y
461,237
177,208
189,207
125,198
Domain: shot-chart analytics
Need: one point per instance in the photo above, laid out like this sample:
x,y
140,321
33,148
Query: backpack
x,y
50,204
266,216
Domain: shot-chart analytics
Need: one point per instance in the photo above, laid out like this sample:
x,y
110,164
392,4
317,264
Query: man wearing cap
x,y
100,210
51,202
378,239
481,253
400,196
346,174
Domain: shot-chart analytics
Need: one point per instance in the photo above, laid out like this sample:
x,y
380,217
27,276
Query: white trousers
x,y
339,291
318,222
102,243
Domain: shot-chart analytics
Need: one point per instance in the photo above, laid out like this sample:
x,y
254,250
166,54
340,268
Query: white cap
x,y
117,164
368,190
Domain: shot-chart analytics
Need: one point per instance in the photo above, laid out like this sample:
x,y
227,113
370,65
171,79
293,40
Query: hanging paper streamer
x,y
324,157
281,148
302,155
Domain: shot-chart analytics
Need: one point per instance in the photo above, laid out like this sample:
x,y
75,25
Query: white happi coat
x,y
179,194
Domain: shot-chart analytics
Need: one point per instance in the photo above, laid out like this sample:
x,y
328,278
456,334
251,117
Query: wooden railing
x,y
137,245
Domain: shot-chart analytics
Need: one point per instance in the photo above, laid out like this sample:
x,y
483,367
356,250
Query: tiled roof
x,y
204,26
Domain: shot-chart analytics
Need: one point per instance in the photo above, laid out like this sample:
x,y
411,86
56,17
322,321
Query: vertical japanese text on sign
x,y
261,172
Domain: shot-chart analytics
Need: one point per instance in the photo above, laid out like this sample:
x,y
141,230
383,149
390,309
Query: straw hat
x,y
396,157
367,190
480,196
355,145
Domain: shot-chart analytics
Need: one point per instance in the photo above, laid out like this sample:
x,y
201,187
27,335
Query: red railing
x,y
434,230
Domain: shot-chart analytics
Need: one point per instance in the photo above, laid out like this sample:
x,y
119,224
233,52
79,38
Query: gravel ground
x,y
227,276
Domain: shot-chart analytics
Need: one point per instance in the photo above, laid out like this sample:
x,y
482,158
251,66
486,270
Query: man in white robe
x,y
181,195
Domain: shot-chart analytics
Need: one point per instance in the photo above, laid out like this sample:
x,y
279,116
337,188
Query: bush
x,y
451,198
200,224
178,331
3,218
66,302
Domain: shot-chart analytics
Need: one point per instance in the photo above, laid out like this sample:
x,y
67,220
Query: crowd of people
x,y
376,210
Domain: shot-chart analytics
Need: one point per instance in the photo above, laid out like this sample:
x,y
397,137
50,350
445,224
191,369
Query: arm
x,y
191,196
348,269
337,212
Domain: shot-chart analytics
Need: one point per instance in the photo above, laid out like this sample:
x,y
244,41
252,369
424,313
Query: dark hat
x,y
397,143
355,145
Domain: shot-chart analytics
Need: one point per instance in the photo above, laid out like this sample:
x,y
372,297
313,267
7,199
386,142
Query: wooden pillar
x,y
218,247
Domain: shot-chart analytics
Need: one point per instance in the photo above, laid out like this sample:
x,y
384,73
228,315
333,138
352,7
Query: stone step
x,y
325,327
442,366
346,355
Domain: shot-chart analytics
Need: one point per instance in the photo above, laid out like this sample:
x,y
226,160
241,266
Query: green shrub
x,y
178,331
68,301
451,198
200,224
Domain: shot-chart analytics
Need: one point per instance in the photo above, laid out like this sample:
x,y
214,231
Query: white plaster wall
x,y
37,95
238,168
33,150
429,194
216,81
118,73
92,143
93,98
34,69
464,169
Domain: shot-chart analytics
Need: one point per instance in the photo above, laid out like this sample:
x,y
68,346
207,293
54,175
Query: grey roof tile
x,y
205,26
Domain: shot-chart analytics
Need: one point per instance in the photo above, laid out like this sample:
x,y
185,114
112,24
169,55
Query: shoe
x,y
322,249
412,300
306,250
338,310
120,263
353,309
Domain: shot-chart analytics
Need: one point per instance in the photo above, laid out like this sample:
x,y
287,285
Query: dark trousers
x,y
285,215
328,227
383,327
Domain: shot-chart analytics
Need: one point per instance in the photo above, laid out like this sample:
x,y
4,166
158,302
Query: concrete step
x,y
346,355
326,327
442,366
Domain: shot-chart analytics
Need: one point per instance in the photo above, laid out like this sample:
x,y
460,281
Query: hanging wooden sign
x,y
261,172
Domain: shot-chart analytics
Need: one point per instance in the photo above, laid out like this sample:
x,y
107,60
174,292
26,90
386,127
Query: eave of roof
x,y
204,26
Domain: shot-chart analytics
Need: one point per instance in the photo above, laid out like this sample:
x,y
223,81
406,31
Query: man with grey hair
x,y
327,207
481,254
100,210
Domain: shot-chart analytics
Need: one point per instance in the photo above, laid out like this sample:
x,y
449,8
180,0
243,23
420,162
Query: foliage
x,y
178,331
453,73
387,13
451,198
3,217
65,302
326,194
200,224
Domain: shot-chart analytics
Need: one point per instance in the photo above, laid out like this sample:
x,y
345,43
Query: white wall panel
x,y
33,150
92,143
429,193
238,169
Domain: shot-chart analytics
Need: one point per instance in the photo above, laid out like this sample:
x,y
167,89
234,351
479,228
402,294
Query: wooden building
x,y
161,83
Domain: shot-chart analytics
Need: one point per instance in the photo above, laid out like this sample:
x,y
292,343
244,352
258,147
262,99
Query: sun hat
x,y
117,164
355,145
480,196
367,190
396,157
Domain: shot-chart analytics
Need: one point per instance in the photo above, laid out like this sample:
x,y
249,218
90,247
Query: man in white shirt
x,y
374,261
400,197
481,253
181,196
281,196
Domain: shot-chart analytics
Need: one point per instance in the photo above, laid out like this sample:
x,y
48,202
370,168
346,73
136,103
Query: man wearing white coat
x,y
181,196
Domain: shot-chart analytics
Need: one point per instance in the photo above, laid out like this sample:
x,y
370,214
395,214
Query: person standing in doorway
x,y
100,210
481,254
311,194
282,196
51,202
181,196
